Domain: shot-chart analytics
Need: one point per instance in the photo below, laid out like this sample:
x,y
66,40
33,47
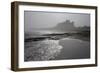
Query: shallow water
x,y
47,49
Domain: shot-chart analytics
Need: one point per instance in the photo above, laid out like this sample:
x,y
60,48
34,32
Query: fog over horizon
x,y
34,19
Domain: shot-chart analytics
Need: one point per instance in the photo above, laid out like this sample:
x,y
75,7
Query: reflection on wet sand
x,y
42,50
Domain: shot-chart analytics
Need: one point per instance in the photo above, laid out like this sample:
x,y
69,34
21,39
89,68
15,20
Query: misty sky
x,y
33,19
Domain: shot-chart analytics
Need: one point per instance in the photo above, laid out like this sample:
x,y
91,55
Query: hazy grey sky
x,y
50,19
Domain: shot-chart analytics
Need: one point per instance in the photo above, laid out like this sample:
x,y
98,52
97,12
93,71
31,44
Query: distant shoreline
x,y
56,36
